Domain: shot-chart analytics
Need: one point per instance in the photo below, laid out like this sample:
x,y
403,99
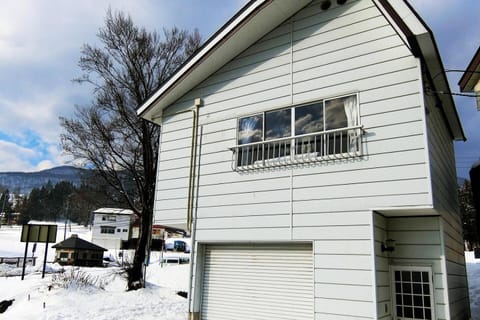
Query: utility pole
x,y
3,207
65,218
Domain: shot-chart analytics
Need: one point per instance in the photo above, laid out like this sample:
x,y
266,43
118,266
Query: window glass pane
x,y
417,288
335,116
428,314
418,312
425,276
278,124
399,311
309,119
426,289
250,129
426,301
416,276
397,275
408,312
407,299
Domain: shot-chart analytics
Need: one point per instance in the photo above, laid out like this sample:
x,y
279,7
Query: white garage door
x,y
258,282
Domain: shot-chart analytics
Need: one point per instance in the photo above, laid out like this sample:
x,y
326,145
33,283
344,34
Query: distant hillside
x,y
24,182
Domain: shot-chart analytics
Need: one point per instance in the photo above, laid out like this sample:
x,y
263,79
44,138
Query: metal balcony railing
x,y
319,146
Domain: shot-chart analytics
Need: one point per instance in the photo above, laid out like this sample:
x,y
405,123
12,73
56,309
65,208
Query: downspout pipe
x,y
191,194
191,175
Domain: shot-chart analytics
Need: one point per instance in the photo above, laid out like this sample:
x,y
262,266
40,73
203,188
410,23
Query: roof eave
x,y
471,76
423,45
255,20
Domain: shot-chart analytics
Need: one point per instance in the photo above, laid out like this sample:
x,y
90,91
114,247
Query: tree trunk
x,y
136,278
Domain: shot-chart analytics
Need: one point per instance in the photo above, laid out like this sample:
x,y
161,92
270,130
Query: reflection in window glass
x,y
309,119
335,114
278,124
250,129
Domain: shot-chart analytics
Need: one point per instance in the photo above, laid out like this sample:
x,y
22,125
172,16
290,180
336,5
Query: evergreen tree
x,y
469,215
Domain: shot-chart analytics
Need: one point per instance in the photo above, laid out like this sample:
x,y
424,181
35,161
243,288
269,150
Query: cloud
x,y
40,44
14,157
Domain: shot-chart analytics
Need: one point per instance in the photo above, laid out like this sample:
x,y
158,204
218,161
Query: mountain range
x,y
24,182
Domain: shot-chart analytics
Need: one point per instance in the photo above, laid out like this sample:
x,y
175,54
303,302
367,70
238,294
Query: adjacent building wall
x,y
107,240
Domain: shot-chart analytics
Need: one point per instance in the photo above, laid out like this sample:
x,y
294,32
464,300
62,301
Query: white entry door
x,y
412,293
258,282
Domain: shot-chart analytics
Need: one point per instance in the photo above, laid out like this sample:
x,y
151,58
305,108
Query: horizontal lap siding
x,y
174,160
382,271
418,243
442,166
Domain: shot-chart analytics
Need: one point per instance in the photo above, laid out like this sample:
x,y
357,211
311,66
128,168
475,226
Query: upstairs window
x,y
107,229
310,132
109,218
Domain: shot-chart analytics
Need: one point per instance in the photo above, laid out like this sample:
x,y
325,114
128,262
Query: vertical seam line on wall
x,y
443,257
425,128
374,268
291,101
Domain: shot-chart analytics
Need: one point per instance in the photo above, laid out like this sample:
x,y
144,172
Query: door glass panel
x,y
412,294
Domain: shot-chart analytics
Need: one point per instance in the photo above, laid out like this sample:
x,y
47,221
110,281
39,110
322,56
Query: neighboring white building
x,y
322,184
111,226
470,80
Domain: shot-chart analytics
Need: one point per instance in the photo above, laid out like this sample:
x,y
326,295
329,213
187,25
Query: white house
x,y
111,226
309,149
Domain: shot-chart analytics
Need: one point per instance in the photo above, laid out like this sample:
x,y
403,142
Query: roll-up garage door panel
x,y
258,282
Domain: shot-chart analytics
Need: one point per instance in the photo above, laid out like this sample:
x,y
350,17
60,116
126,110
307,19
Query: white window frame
x,y
411,268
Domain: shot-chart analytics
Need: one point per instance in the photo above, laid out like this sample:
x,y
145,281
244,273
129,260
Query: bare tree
x,y
107,135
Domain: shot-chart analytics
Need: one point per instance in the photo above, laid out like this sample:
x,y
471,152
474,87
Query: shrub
x,y
76,278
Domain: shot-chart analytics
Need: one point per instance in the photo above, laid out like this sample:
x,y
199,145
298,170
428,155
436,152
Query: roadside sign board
x,y
43,233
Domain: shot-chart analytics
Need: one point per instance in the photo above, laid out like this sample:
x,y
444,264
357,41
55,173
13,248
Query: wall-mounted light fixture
x,y
388,245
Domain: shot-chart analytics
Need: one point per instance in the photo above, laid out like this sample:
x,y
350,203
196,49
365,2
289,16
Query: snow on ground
x,y
473,272
159,300
34,300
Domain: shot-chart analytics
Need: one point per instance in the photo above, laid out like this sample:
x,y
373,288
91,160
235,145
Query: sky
x,y
41,40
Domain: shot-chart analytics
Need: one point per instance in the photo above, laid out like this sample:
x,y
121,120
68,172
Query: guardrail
x,y
18,261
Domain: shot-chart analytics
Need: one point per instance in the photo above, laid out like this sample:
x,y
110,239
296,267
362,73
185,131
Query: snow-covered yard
x,y
34,300
159,300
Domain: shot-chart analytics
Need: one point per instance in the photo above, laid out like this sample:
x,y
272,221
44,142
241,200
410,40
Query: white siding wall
x,y
382,269
346,49
442,166
107,240
173,170
418,243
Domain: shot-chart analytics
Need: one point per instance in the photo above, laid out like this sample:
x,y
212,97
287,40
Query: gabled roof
x,y
471,76
258,17
74,242
117,211
253,21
